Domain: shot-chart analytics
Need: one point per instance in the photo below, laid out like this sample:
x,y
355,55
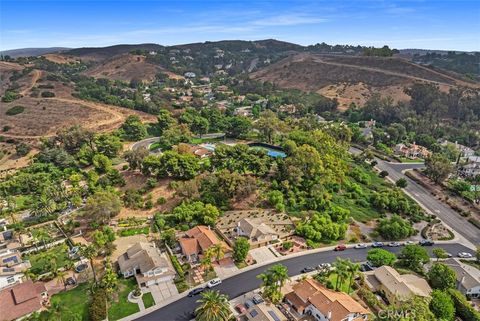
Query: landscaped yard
x,y
121,307
134,231
148,300
43,261
76,300
344,287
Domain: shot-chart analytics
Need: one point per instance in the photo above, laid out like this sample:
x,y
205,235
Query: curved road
x,y
181,310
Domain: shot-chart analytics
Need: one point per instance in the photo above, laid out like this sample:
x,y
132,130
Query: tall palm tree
x,y
42,206
341,270
90,252
213,307
353,269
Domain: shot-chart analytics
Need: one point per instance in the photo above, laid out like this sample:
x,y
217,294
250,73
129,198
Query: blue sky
x,y
440,24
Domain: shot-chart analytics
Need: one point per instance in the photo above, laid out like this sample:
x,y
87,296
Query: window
x,y
10,279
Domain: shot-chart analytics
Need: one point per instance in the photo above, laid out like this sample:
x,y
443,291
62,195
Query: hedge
x,y
462,307
177,266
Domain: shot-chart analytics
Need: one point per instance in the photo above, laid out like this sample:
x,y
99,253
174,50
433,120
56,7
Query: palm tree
x,y
213,307
206,262
42,206
353,269
341,270
90,252
218,251
41,235
272,281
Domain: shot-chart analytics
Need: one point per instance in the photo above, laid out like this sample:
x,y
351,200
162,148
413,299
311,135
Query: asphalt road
x,y
235,286
144,143
427,200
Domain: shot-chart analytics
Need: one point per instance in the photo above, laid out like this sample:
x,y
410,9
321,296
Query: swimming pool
x,y
272,151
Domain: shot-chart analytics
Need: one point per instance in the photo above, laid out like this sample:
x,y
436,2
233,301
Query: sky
x,y
440,24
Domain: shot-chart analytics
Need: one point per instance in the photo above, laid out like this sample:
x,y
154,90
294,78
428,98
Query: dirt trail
x,y
36,76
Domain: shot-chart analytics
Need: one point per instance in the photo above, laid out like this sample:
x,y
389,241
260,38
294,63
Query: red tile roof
x,y
20,300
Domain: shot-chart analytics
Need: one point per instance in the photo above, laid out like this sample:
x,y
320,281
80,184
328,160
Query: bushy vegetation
x,y
15,110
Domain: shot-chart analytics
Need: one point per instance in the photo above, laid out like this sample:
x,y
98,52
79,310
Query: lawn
x,y
343,287
76,300
41,262
134,231
121,307
148,300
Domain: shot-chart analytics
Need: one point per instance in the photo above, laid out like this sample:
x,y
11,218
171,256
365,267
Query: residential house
x,y
288,109
146,263
256,231
468,277
395,287
12,267
367,131
189,74
464,151
8,240
243,111
309,297
197,240
471,167
412,151
21,300
265,312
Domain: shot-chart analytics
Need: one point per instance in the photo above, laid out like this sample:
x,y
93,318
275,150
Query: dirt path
x,y
36,76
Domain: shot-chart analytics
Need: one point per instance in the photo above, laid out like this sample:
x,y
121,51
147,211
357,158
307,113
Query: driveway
x,y
163,291
226,268
262,254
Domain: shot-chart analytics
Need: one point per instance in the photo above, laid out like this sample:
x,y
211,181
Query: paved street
x,y
239,284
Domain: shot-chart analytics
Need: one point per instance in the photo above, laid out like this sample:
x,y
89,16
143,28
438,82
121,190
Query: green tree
x,y
164,121
102,206
101,163
213,306
168,237
413,257
440,253
108,145
272,281
90,252
135,157
438,167
341,268
109,281
402,183
380,257
240,249
395,228
442,306
442,277
134,129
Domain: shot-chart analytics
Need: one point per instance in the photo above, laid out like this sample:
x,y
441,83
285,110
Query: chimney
x,y
329,315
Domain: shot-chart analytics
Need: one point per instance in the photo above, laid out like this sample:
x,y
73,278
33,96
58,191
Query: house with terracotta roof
x,y
147,264
412,151
21,300
197,240
395,287
309,297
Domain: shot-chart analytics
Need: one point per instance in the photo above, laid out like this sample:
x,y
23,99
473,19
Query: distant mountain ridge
x,y
27,52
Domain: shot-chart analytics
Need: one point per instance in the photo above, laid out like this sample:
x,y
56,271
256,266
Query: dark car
x,y
365,267
70,281
308,269
426,243
248,304
195,291
340,247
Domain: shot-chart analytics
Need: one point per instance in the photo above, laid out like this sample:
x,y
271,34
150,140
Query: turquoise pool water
x,y
271,152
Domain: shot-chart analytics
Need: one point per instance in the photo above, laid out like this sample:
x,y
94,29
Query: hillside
x,y
101,53
124,67
352,78
27,52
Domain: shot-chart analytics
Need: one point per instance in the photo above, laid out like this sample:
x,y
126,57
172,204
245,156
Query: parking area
x,y
262,254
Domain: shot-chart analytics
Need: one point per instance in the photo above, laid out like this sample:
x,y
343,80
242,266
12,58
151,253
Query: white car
x,y
360,246
324,266
394,244
465,255
213,282
409,242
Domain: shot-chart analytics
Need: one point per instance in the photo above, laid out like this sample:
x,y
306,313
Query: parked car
x,y
365,267
377,244
240,308
195,292
70,281
426,243
394,244
213,282
248,304
324,266
340,247
361,246
257,299
308,269
465,255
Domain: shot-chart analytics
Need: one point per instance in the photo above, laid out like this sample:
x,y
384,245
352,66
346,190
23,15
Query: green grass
x,y
154,146
22,202
121,307
358,213
408,160
41,262
134,231
76,300
148,300
344,287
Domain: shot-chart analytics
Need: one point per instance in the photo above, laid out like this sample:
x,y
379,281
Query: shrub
x,y
287,245
161,200
98,305
10,96
177,266
15,110
47,94
383,174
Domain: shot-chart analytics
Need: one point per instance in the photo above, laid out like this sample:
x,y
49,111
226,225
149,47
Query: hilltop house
x,y
197,240
395,287
257,232
12,267
309,297
412,151
146,263
21,300
468,277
